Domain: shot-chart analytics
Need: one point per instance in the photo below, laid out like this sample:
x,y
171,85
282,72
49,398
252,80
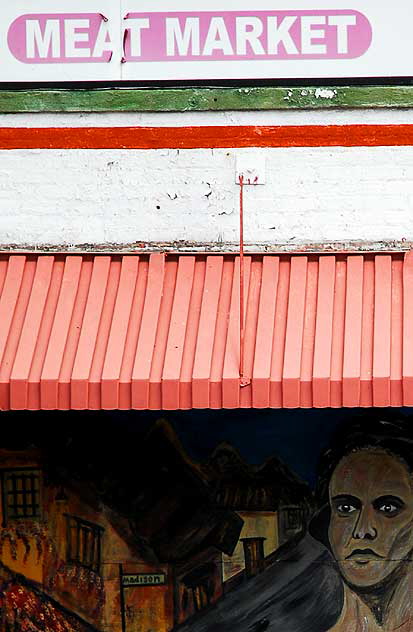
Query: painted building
x,y
272,502
71,537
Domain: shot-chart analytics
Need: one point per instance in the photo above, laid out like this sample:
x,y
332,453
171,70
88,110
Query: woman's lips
x,y
364,556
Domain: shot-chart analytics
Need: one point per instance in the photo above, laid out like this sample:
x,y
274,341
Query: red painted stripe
x,y
205,136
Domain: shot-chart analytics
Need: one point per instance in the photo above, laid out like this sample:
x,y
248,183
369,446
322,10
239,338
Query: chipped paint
x,y
218,246
325,93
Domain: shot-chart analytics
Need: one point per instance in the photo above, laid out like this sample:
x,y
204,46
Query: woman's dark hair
x,y
388,432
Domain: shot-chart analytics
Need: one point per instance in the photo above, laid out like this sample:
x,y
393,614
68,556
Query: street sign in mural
x,y
100,40
144,579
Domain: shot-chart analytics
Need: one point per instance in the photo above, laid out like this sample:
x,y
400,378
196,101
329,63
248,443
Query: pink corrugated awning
x,y
162,331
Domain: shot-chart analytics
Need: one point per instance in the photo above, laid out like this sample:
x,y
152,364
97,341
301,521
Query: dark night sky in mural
x,y
297,437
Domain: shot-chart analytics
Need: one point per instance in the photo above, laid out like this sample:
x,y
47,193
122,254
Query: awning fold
x,y
162,331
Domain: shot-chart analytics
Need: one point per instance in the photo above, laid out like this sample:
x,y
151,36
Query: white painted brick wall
x,y
121,196
312,195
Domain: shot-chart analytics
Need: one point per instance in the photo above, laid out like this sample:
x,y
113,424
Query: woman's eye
x,y
388,508
344,508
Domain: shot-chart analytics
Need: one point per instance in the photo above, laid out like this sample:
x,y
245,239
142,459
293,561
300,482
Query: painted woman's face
x,y
371,526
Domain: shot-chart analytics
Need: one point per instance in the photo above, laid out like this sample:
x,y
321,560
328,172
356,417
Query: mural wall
x,y
206,522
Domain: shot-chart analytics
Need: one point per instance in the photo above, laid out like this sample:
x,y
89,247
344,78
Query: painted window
x,y
202,594
293,518
84,542
21,494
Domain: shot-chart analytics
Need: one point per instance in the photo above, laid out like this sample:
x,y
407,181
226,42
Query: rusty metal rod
x,y
241,276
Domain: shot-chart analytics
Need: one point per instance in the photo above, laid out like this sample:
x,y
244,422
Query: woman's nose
x,y
365,527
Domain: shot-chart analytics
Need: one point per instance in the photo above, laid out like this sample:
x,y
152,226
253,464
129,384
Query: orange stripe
x,y
29,333
190,343
205,136
231,375
3,273
10,293
382,331
324,332
408,330
95,375
337,347
265,332
171,371
206,332
307,356
294,332
367,334
146,341
132,336
19,308
396,362
118,332
280,326
89,333
164,320
59,333
64,387
221,332
352,333
251,321
33,391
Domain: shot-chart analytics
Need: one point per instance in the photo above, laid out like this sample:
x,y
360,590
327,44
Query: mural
x,y
129,523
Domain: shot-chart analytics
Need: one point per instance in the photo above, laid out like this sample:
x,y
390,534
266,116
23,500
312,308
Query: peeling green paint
x,y
203,99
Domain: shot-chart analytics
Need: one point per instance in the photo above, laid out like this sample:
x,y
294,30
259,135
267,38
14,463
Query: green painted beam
x,y
202,99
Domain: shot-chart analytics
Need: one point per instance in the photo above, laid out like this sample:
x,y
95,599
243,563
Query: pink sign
x,y
191,36
60,38
246,35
